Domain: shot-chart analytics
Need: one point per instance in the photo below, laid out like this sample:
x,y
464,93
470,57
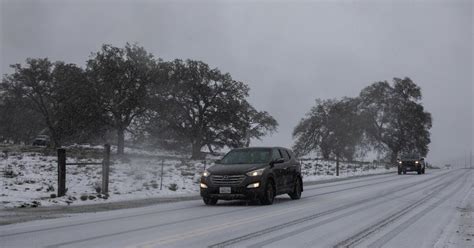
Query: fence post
x,y
61,172
161,180
105,169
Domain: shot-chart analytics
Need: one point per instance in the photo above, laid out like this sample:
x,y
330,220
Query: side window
x,y
285,154
276,154
289,154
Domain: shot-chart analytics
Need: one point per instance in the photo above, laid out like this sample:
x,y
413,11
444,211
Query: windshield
x,y
413,156
247,156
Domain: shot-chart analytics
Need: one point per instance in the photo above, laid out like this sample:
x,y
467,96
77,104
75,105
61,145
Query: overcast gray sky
x,y
289,53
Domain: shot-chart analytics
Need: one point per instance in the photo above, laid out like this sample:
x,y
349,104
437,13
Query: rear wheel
x,y
399,171
296,194
404,172
269,194
209,201
423,171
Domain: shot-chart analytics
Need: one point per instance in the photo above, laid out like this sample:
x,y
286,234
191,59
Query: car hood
x,y
234,169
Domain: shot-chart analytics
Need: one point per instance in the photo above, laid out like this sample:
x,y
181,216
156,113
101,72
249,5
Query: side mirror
x,y
422,159
217,161
277,161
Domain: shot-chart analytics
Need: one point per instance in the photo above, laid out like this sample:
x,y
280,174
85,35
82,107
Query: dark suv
x,y
411,163
257,173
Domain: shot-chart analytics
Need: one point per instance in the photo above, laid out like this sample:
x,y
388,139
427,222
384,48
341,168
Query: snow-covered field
x,y
30,178
315,170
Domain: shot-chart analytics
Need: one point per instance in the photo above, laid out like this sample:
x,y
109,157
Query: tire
x,y
404,172
296,194
399,171
423,171
268,195
419,172
209,201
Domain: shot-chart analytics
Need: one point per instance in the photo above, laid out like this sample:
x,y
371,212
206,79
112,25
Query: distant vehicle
x,y
257,173
411,162
41,140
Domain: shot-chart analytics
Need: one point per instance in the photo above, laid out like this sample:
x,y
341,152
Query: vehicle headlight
x,y
255,173
204,186
416,162
206,173
400,162
253,185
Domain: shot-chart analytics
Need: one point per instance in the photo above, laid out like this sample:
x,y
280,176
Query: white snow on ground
x,y
31,178
129,150
315,170
459,232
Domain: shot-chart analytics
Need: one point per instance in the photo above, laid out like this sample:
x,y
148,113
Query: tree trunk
x,y
210,149
326,153
247,139
196,153
57,144
54,138
393,157
337,165
120,141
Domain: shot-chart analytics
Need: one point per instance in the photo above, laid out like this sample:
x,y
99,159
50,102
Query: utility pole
x,y
470,161
465,160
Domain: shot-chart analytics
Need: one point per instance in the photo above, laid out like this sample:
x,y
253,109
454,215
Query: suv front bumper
x,y
239,191
410,167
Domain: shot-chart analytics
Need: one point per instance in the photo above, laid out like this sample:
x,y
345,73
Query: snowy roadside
x,y
459,232
30,178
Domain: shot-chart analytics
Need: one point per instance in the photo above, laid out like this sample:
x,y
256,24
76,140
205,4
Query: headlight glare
x,y
204,186
255,173
206,173
253,185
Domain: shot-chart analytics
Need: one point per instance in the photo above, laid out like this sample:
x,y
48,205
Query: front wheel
x,y
209,201
296,194
268,195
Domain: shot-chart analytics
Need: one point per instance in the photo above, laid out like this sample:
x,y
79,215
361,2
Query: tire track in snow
x,y
393,233
321,214
369,231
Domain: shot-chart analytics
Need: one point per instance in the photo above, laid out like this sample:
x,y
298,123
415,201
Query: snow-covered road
x,y
431,210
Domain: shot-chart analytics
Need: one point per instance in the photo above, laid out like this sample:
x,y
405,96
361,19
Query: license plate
x,y
224,190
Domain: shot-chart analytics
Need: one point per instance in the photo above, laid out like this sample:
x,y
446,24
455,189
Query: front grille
x,y
410,164
227,179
